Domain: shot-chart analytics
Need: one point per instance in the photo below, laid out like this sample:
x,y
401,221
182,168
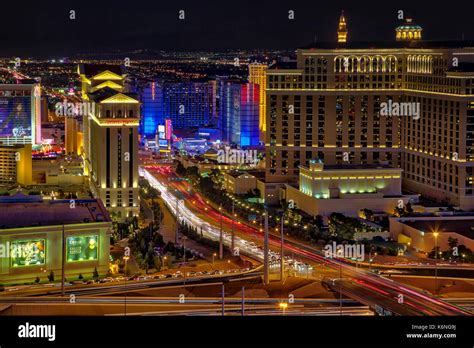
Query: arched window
x,y
379,64
107,113
130,113
339,64
364,65
391,64
353,64
374,65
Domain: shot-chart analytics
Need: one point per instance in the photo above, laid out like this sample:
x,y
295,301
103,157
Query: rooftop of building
x,y
258,174
409,24
464,227
90,70
285,65
17,213
413,44
376,166
107,92
20,198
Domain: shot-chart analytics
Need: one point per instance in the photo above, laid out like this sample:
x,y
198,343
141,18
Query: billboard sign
x,y
82,248
27,253
15,116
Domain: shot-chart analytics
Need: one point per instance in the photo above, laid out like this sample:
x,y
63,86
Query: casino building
x,y
332,106
20,113
110,138
257,75
186,104
31,238
239,105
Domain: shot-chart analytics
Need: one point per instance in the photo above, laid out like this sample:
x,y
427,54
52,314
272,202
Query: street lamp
x,y
371,259
435,235
184,259
221,236
177,218
233,235
213,256
125,258
282,251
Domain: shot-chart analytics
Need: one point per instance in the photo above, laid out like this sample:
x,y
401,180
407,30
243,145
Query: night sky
x,y
43,28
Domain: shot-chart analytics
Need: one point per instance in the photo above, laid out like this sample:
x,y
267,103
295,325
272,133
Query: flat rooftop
x,y
51,213
258,174
420,44
464,227
355,167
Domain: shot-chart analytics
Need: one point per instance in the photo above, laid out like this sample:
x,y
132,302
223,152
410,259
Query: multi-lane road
x,y
115,305
368,288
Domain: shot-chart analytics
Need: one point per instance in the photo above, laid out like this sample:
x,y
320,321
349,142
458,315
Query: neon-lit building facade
x,y
239,113
338,93
20,114
258,75
111,138
186,104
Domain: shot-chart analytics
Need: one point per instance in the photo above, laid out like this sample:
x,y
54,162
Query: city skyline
x,y
308,161
157,26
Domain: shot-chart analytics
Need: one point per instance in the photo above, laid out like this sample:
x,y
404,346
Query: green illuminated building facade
x,y
31,246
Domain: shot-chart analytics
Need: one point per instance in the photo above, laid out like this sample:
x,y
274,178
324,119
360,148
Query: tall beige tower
x,y
72,130
111,138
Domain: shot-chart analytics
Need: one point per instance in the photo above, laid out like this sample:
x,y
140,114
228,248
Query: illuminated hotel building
x,y
15,164
239,112
20,113
187,104
324,189
257,75
111,138
329,107
32,229
73,136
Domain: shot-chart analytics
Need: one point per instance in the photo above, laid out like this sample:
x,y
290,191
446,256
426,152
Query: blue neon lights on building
x,y
239,112
187,104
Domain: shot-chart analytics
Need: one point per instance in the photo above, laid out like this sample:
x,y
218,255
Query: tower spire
x,y
342,29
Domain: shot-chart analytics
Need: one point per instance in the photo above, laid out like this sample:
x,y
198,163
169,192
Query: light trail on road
x,y
425,304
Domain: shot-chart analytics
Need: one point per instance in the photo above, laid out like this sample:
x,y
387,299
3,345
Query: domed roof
x,y
409,25
409,31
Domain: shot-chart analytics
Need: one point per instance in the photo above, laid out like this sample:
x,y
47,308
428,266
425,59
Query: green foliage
x,y
143,246
147,191
344,227
192,173
180,170
193,234
406,210
452,242
456,252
